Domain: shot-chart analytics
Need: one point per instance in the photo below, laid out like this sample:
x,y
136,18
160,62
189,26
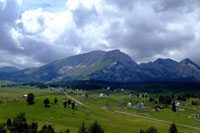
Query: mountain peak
x,y
120,56
161,61
115,51
187,61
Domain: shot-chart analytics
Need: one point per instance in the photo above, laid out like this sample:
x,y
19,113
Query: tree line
x,y
172,129
19,124
66,103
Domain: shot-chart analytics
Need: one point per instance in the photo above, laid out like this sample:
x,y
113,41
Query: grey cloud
x,y
35,50
145,34
8,16
123,4
83,15
166,5
136,26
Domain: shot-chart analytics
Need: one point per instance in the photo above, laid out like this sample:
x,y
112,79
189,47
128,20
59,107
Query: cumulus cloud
x,y
34,33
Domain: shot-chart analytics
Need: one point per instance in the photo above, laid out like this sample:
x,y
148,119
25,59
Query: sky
x,y
37,32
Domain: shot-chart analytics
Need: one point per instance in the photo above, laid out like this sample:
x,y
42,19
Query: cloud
x,y
34,33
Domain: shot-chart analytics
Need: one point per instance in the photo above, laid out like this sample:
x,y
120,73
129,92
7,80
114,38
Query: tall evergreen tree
x,y
33,127
30,98
65,104
151,99
96,128
2,128
82,129
46,102
20,124
73,105
67,131
174,106
55,100
141,131
173,129
47,129
69,102
9,124
151,130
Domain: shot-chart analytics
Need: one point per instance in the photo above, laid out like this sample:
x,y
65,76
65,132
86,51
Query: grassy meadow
x,y
95,109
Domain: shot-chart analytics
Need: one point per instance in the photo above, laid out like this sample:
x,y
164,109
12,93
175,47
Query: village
x,y
144,104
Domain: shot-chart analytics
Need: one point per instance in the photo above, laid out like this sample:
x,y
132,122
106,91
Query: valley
x,y
111,109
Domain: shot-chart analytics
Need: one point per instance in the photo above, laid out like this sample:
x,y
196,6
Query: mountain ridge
x,y
114,66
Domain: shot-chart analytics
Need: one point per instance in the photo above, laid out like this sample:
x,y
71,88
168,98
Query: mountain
x,y
113,66
9,69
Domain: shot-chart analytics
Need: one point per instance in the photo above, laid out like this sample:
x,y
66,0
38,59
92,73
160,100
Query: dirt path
x,y
70,97
144,117
74,99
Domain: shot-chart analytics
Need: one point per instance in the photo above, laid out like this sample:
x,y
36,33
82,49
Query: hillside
x,y
113,66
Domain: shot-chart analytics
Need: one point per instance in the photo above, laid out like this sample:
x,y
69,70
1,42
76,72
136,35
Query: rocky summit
x,y
113,66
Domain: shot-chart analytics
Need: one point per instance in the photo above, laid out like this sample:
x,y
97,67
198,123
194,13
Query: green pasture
x,y
63,118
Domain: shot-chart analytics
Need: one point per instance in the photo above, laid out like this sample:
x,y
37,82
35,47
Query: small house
x,y
140,105
198,114
119,104
177,105
129,104
157,109
101,95
76,104
64,100
191,107
107,95
107,105
84,95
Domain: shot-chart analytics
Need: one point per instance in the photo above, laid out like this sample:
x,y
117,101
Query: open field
x,y
112,122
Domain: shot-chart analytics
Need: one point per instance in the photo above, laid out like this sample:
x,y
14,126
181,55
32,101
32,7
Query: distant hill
x,y
112,66
3,82
9,69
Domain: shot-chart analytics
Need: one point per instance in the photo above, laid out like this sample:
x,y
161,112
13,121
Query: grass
x,y
63,118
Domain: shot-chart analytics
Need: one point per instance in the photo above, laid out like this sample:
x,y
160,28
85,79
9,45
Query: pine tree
x,y
2,128
173,128
30,98
47,129
151,130
69,102
33,127
73,105
9,124
96,128
174,106
141,131
82,129
65,104
46,102
20,123
67,131
55,100
151,99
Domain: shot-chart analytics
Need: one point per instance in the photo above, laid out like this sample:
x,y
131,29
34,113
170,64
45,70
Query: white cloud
x,y
45,24
40,32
